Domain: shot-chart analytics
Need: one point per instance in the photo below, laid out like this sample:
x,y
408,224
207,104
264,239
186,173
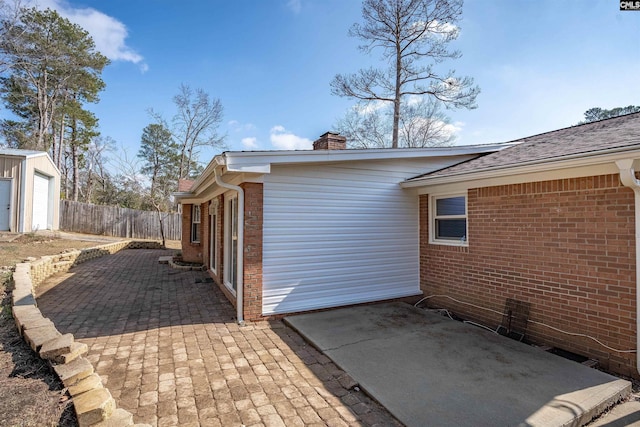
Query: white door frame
x,y
49,206
8,210
230,235
213,236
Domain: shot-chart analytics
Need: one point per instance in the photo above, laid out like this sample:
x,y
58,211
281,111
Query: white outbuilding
x,y
29,191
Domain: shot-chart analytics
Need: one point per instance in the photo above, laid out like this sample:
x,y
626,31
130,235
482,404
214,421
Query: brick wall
x,y
192,252
253,199
565,246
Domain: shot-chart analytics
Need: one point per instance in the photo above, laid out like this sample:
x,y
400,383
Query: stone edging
x,y
93,403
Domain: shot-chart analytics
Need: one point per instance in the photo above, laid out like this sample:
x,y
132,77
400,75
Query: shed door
x,y
5,204
40,219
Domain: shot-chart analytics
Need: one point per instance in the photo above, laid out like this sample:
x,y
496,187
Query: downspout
x,y
240,264
628,179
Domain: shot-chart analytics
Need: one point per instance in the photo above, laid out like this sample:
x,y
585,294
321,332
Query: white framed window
x,y
231,243
195,224
448,219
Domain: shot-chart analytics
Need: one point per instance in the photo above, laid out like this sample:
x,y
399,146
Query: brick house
x,y
548,222
290,231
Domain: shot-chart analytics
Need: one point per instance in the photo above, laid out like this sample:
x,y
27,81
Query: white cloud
x,y
236,126
414,100
452,129
107,32
444,28
295,5
250,142
366,108
436,28
285,140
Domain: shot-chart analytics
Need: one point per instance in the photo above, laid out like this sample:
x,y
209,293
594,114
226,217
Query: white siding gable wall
x,y
339,234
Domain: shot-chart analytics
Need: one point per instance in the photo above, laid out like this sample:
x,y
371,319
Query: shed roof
x,y
619,133
21,153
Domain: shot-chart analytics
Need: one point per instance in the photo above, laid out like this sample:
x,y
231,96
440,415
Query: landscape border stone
x,y
93,403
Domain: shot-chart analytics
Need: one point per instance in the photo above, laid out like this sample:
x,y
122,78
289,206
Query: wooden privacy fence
x,y
118,222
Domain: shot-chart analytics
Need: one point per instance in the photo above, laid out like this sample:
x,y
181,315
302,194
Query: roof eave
x,y
577,160
261,161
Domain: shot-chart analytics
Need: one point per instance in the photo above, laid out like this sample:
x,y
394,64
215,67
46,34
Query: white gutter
x,y
628,178
240,250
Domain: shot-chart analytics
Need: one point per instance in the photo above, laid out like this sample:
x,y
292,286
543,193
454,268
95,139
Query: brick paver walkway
x,y
166,345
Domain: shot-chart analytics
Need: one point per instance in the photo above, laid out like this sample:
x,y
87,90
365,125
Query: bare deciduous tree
x,y
96,171
194,125
422,124
414,37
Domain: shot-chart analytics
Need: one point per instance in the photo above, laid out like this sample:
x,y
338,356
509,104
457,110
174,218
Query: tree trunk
x,y
89,188
57,147
75,160
396,98
160,220
76,173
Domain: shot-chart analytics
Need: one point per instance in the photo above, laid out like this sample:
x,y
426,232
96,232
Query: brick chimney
x,y
330,141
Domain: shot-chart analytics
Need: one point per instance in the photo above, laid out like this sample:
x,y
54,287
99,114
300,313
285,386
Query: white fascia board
x,y
210,189
180,195
261,161
567,167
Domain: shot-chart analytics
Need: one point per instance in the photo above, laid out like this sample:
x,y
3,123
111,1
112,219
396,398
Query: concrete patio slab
x,y
624,415
427,369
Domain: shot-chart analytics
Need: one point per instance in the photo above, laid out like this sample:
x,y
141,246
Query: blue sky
x,y
540,64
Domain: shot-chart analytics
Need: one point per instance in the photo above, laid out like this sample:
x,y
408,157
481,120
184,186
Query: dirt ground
x,y
35,245
30,392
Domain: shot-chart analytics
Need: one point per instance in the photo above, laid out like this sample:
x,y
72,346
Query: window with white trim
x,y
195,224
448,223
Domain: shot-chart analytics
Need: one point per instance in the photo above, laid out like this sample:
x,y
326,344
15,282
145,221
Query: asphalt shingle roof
x,y
618,132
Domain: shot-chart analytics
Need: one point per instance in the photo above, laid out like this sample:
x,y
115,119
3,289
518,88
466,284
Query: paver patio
x,y
166,344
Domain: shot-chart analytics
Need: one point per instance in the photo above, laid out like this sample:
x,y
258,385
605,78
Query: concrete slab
x,y
625,415
427,369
